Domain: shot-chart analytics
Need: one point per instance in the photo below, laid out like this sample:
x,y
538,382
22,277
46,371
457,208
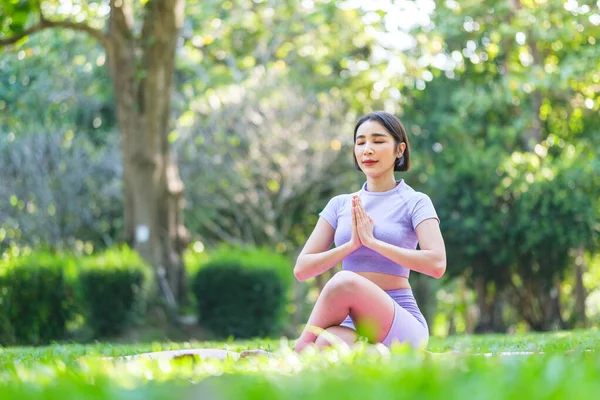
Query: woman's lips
x,y
369,163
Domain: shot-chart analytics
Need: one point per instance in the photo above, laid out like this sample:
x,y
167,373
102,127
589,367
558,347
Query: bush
x,y
249,257
7,334
113,287
36,299
236,301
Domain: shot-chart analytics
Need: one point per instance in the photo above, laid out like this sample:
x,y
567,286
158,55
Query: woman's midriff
x,y
386,281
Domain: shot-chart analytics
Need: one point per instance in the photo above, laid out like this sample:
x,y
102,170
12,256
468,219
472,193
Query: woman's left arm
x,y
429,260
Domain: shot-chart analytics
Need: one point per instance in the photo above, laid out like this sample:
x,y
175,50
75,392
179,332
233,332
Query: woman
x,y
376,231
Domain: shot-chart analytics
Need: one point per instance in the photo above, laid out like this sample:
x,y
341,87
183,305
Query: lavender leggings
x,y
408,325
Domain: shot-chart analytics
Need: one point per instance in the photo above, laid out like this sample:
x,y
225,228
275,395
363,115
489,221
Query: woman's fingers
x,y
359,216
362,212
355,211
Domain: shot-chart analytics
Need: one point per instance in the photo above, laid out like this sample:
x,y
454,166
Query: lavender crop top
x,y
395,213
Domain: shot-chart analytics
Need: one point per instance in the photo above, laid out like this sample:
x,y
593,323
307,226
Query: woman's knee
x,y
342,282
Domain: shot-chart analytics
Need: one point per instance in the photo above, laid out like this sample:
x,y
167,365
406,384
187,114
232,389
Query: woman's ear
x,y
401,149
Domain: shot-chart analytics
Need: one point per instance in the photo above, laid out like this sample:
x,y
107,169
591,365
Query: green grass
x,y
456,368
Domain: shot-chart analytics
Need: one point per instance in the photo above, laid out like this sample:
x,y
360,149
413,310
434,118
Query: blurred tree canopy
x,y
513,151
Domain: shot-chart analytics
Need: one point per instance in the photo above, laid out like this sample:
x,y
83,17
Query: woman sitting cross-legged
x,y
376,231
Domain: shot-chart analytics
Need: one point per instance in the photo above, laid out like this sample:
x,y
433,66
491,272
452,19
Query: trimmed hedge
x,y
36,299
247,256
113,287
233,300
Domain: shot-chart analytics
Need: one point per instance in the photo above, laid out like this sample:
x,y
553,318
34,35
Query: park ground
x,y
528,366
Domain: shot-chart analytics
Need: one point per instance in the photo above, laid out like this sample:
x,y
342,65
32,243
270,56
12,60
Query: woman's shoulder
x,y
414,196
407,190
338,201
420,196
342,198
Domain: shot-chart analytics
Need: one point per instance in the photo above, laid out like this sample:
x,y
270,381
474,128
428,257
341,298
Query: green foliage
x,y
36,298
507,132
263,189
515,220
14,15
234,300
229,41
113,286
472,220
7,334
552,209
68,192
57,80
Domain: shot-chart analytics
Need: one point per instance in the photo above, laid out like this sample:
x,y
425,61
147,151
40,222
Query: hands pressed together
x,y
362,225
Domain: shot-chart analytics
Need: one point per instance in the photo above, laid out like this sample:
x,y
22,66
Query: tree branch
x,y
45,24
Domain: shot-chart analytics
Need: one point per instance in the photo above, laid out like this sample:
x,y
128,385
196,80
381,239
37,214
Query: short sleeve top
x,y
396,213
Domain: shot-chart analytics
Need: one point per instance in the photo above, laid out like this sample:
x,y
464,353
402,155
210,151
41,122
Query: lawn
x,y
555,365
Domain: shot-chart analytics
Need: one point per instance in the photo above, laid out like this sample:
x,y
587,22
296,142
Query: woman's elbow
x,y
440,269
299,272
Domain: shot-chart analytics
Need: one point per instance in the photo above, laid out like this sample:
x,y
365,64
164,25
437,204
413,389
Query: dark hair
x,y
394,127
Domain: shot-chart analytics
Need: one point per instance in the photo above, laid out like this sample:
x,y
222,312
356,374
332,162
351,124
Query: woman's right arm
x,y
315,258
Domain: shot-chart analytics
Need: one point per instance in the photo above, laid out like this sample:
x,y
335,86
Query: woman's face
x,y
375,148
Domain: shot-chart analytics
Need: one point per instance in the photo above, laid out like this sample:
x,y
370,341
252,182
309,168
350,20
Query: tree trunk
x,y
484,325
467,312
580,318
555,319
498,324
142,76
539,304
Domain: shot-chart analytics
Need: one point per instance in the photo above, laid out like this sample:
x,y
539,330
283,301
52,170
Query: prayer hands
x,y
362,224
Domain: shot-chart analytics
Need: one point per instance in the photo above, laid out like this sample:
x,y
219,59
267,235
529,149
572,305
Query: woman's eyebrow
x,y
373,134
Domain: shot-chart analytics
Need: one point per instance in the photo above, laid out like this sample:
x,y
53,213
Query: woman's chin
x,y
374,174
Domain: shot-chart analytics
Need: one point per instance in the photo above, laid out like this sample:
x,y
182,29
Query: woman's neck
x,y
381,184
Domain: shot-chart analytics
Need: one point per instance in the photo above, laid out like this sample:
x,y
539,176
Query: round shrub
x,y
7,334
112,287
236,301
248,256
35,299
